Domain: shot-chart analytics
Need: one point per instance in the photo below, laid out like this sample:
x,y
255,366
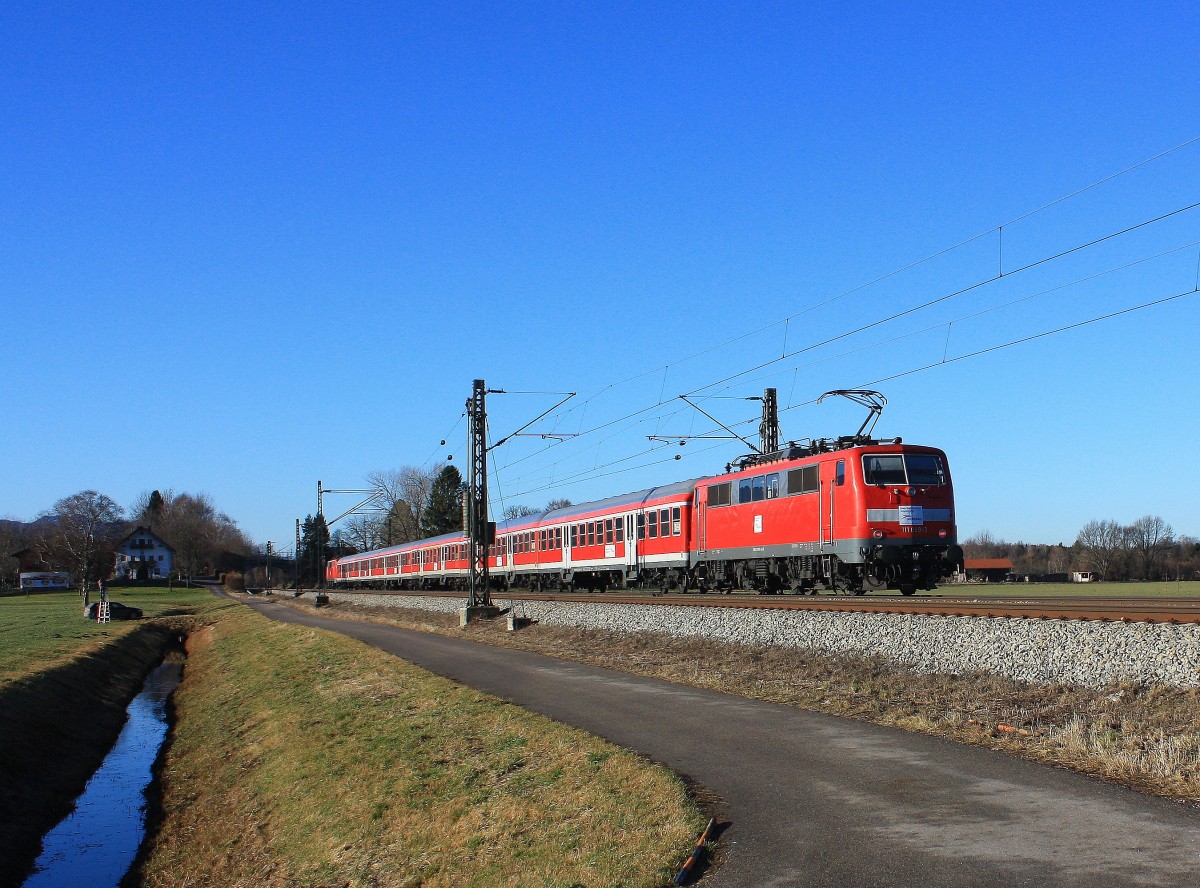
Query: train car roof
x,y
631,500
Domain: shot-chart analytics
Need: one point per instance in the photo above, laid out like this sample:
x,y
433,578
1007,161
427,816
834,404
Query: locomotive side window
x,y
840,474
758,489
744,490
652,524
719,494
772,485
802,480
676,526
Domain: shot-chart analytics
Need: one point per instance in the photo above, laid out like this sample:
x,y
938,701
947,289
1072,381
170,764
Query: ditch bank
x,y
57,726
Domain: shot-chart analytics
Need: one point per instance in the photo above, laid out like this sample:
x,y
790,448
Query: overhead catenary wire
x,y
661,409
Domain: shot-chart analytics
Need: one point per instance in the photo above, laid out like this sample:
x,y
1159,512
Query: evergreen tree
x,y
314,537
443,514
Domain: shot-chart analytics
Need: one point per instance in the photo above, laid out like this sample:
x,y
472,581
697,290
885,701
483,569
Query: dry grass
x,y
306,758
1146,738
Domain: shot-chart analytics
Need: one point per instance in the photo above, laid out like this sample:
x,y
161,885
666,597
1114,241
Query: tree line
x,y
1147,549
80,533
409,504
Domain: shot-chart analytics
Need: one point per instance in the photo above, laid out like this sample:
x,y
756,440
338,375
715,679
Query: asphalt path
x,y
816,800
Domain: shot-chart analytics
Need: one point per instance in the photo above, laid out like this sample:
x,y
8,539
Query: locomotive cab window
x,y
884,468
924,470
840,473
917,469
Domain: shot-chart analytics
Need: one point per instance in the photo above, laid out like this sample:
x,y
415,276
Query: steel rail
x,y
1149,610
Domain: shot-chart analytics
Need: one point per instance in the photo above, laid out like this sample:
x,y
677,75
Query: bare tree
x,y
519,511
1103,545
409,487
363,532
558,504
984,545
198,532
84,525
1150,538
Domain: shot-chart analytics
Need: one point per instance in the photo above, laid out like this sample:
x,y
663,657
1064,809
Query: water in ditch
x,y
96,843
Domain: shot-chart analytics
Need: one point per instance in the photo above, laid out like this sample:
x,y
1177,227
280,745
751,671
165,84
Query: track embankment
x,y
1091,653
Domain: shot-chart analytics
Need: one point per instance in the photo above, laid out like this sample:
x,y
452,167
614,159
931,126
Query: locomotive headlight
x,y
878,534
912,491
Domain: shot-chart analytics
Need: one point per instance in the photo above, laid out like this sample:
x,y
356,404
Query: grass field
x,y
47,629
1179,589
304,758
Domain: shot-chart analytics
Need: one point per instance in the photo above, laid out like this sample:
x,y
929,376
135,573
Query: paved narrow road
x,y
814,800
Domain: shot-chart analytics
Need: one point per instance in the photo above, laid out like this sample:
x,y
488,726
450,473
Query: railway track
x,y
1148,610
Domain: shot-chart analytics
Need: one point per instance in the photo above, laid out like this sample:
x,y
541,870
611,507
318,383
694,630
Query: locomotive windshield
x,y
916,469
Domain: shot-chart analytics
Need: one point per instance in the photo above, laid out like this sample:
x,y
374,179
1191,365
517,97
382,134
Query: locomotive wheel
x,y
908,588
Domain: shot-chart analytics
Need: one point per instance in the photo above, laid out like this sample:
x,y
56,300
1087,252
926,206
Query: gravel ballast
x,y
1077,652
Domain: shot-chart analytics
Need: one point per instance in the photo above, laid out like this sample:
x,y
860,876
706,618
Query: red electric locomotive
x,y
851,515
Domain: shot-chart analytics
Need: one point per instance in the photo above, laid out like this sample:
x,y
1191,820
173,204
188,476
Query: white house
x,y
143,555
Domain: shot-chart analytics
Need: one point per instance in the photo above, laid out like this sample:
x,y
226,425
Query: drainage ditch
x,y
98,842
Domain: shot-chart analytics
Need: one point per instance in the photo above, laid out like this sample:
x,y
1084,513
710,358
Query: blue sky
x,y
251,246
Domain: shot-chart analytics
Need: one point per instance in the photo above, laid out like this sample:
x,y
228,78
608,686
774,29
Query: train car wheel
x,y
908,588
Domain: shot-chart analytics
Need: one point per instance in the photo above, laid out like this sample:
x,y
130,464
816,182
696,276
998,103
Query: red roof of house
x,y
987,564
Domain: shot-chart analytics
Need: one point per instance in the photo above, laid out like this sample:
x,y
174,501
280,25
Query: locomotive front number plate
x,y
912,516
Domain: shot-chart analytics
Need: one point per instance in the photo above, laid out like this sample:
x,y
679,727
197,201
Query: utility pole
x,y
479,605
768,429
320,537
297,553
269,544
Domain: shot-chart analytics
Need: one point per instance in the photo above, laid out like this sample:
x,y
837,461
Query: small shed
x,y
987,570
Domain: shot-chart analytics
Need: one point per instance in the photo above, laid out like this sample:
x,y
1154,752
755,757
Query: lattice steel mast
x,y
477,502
